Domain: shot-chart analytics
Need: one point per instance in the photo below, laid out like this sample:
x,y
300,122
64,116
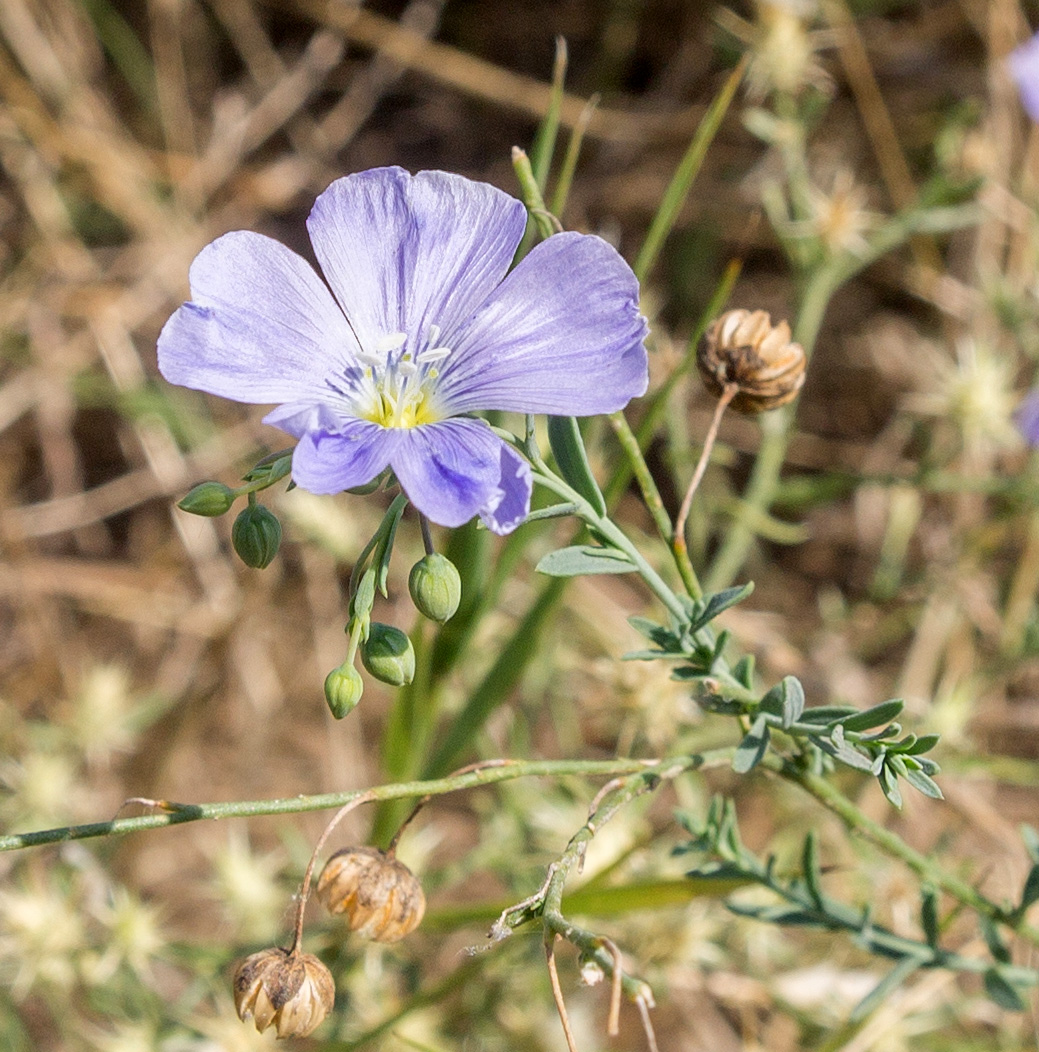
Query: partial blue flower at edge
x,y
419,325
1024,68
1027,417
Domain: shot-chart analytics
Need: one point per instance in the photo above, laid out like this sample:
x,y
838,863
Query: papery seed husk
x,y
744,348
291,991
379,896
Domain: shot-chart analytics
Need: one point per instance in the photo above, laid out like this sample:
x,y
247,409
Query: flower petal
x,y
510,504
450,470
1024,67
329,462
260,327
561,335
404,252
1027,417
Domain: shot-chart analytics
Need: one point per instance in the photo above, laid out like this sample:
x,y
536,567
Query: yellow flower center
x,y
397,387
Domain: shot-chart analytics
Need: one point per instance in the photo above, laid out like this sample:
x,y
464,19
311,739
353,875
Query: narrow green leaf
x,y
924,743
1030,893
793,701
880,714
993,940
564,436
556,511
887,986
772,702
929,916
923,783
719,602
750,751
743,671
545,140
584,559
810,869
824,714
889,784
1000,991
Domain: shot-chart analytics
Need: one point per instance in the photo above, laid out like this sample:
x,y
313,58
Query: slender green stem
x,y
171,814
650,494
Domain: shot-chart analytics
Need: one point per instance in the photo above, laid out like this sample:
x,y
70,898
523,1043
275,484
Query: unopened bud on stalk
x,y
380,897
744,348
436,587
207,498
256,536
291,991
388,655
343,689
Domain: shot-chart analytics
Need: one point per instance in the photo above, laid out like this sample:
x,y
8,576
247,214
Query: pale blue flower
x,y
1024,67
420,324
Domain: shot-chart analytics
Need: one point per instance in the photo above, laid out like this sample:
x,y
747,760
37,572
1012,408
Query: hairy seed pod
x,y
293,992
743,347
380,897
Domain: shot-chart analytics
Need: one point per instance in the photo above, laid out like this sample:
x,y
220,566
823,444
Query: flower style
x,y
419,326
1024,68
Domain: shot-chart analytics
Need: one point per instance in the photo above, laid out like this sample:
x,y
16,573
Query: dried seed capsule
x,y
743,347
380,897
293,992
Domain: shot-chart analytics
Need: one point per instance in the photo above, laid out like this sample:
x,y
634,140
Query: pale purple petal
x,y
1024,67
561,335
261,325
510,504
449,470
329,462
402,252
1027,417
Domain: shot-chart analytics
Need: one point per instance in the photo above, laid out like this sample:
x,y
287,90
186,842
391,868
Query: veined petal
x,y
510,504
450,470
328,462
402,252
561,335
261,325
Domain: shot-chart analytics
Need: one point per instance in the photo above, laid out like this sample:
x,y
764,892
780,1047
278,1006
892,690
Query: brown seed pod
x,y
291,991
743,347
380,897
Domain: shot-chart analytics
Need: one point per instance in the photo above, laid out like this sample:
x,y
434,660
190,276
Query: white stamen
x,y
393,342
433,354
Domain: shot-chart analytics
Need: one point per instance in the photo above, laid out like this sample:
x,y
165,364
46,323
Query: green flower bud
x,y
208,498
343,689
256,536
388,655
435,586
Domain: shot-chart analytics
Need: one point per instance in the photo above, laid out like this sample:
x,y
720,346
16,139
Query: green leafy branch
x,y
804,903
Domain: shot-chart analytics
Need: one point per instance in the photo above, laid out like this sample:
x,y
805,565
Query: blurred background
x,y
140,658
